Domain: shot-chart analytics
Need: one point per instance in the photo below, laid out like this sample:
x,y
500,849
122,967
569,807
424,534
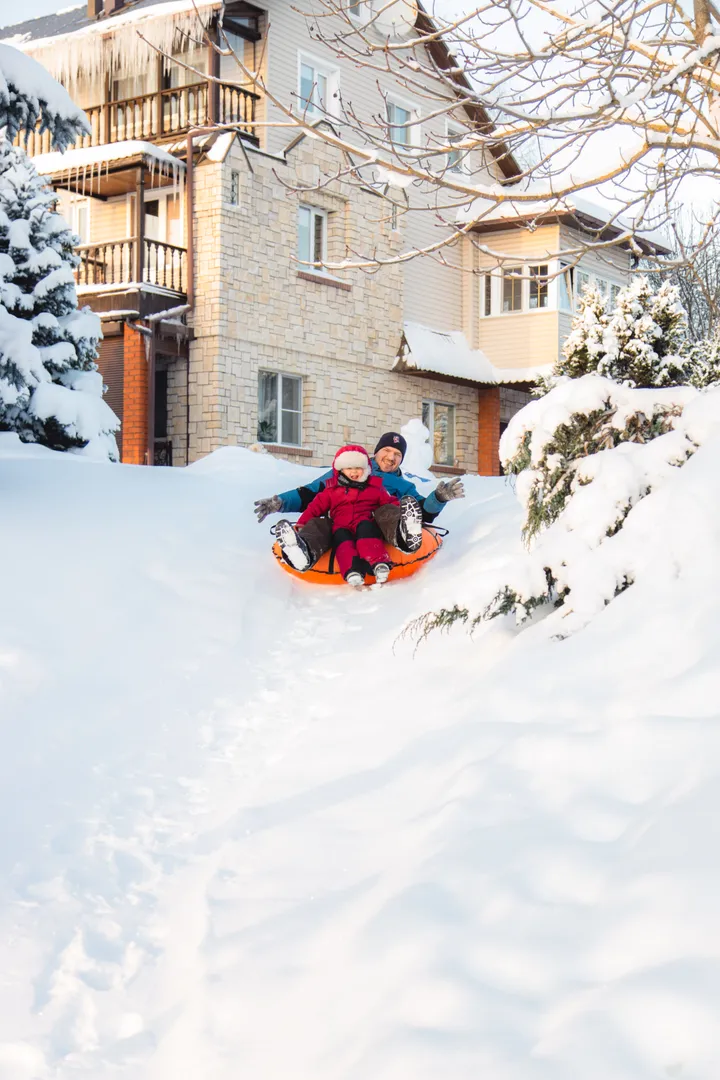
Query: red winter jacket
x,y
348,506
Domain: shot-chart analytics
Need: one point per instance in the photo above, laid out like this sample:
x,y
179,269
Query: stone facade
x,y
258,309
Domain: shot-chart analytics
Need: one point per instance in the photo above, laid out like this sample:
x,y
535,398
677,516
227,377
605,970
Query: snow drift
x,y
245,836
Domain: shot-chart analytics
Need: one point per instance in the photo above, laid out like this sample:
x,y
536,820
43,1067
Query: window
x,y
234,187
615,291
602,286
312,236
394,218
76,211
538,287
163,217
399,124
455,158
582,279
355,8
566,287
485,295
512,289
439,419
318,88
279,408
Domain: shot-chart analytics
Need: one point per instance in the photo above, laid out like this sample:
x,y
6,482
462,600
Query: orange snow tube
x,y
403,563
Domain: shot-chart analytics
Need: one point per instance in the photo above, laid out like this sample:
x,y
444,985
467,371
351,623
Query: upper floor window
x,y
312,236
615,291
355,8
485,295
512,289
455,158
401,124
439,419
318,88
538,297
566,287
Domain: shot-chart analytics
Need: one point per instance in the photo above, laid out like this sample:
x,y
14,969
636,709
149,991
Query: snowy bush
x,y
50,390
613,426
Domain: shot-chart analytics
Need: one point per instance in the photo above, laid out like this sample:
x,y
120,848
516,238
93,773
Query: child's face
x,y
353,474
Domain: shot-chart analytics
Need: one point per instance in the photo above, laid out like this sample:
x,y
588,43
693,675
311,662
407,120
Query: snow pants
x,y
318,534
354,548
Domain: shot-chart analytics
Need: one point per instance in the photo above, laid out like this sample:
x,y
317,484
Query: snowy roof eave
x,y
576,209
94,159
446,354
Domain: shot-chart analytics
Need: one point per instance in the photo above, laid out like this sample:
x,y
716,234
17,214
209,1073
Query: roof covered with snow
x,y
448,354
577,209
72,19
87,157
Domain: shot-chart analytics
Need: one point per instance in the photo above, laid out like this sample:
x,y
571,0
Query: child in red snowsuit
x,y
349,499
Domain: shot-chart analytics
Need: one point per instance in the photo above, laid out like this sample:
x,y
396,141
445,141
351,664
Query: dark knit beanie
x,y
392,439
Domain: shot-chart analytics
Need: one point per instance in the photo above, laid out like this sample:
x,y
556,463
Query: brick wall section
x,y
135,395
488,430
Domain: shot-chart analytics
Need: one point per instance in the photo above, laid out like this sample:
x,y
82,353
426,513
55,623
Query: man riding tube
x,y
400,526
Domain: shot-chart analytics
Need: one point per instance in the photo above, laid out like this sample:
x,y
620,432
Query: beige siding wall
x,y
525,340
612,263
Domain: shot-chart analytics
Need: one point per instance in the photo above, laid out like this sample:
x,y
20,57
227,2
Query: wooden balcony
x,y
125,263
161,115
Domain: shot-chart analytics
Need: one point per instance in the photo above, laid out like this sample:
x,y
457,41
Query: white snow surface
x,y
70,160
447,352
243,837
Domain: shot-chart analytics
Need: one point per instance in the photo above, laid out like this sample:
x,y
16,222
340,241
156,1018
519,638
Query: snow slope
x,y
243,837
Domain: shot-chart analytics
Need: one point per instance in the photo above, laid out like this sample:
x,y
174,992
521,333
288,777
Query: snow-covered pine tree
x,y
703,361
50,389
583,348
28,95
645,336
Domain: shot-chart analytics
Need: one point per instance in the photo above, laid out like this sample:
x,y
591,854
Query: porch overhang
x,y
104,171
445,356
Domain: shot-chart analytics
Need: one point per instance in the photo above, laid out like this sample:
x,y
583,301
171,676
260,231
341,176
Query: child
x,y
349,499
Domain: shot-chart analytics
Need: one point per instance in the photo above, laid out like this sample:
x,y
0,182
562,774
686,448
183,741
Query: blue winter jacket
x,y
295,501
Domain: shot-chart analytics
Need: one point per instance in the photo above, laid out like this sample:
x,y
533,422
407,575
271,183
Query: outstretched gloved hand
x,y
263,507
449,489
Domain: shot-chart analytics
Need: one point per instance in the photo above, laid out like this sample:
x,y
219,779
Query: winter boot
x,y
354,578
292,546
410,527
382,572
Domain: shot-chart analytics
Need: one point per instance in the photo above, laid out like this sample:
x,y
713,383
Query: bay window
x,y
538,287
512,289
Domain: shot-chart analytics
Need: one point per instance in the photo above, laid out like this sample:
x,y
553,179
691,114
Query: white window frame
x,y
331,74
414,130
280,375
505,272
71,212
162,195
431,403
315,212
452,130
356,16
565,271
486,295
545,284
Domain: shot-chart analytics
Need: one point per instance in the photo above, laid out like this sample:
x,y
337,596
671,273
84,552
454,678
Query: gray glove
x,y
449,489
263,507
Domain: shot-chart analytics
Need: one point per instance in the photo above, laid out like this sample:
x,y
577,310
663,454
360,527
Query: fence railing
x,y
117,262
162,113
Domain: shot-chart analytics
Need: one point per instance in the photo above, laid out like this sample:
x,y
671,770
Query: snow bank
x,y
243,837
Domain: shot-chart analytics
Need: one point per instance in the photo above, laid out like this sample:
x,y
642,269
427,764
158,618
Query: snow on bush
x,y
592,456
28,95
50,389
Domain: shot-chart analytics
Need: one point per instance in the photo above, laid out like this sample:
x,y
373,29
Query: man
x,y
400,526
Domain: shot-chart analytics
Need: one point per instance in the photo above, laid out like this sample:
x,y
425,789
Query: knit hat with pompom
x,y
352,457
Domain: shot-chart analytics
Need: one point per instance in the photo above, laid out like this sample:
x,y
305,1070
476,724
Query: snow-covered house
x,y
215,334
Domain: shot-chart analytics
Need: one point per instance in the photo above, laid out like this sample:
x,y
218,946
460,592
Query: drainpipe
x,y
190,230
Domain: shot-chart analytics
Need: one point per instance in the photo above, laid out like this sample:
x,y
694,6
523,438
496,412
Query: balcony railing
x,y
117,262
162,114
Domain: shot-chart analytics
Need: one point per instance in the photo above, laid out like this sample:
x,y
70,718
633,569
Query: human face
x,y
388,459
353,474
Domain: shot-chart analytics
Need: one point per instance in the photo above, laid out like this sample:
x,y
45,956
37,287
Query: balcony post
x,y
140,226
213,88
106,135
159,68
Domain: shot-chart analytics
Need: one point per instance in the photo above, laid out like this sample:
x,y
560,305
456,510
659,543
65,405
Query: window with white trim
x,y
402,130
603,287
538,292
566,287
485,305
455,158
312,237
279,408
615,291
512,282
355,9
582,280
318,87
76,211
439,419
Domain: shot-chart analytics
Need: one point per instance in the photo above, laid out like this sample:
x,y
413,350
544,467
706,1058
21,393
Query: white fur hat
x,y
352,457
